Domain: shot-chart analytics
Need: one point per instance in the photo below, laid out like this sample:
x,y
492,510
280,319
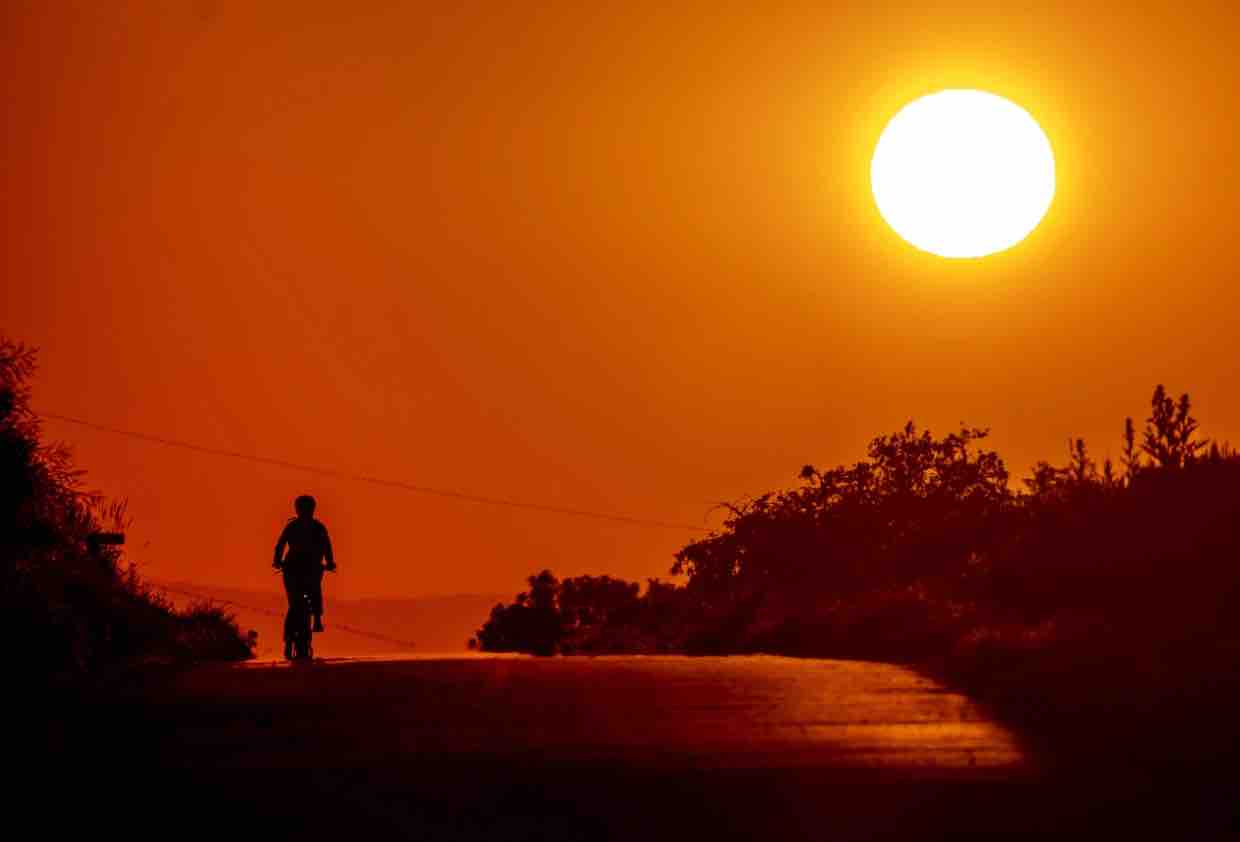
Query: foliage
x,y
531,624
73,606
925,549
1170,431
588,614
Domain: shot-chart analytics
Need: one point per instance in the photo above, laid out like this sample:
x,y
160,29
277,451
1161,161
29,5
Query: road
x,y
707,712
571,748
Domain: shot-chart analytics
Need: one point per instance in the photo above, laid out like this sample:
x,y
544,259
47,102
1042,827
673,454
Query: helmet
x,y
304,505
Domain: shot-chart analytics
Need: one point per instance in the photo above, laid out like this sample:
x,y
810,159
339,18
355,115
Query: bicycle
x,y
301,611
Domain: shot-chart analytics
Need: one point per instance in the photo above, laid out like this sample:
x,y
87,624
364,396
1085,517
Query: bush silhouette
x,y
925,548
65,597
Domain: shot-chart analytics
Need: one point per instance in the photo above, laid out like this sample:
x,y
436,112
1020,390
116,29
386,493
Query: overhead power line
x,y
399,485
407,644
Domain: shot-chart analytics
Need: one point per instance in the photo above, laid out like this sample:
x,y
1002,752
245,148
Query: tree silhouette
x,y
532,623
1169,431
1131,456
923,547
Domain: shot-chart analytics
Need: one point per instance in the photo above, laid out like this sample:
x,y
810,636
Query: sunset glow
x,y
644,421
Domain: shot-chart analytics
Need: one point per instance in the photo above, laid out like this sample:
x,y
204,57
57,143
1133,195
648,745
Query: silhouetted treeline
x,y
924,549
68,609
588,614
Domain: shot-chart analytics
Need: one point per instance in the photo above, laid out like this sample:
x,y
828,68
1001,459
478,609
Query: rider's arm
x,y
280,545
327,550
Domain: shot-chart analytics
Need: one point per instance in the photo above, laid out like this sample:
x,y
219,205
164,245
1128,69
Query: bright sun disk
x,y
963,173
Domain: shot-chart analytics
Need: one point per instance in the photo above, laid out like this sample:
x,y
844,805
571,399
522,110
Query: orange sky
x,y
623,260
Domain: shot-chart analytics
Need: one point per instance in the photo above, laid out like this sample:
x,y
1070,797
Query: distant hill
x,y
354,626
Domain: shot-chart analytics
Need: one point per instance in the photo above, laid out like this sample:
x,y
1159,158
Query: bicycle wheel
x,y
305,631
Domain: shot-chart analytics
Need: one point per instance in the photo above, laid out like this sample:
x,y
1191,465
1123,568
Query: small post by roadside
x,y
95,540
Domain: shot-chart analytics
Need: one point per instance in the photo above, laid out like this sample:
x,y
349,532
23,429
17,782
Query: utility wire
x,y
380,481
350,629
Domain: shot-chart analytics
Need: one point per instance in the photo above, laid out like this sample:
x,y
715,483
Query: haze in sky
x,y
615,259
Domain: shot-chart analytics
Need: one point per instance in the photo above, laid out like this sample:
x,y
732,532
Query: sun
x,y
963,173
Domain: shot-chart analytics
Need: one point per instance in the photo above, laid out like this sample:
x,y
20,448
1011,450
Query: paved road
x,y
678,711
566,748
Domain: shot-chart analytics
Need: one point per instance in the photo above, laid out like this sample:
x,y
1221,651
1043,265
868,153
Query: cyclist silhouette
x,y
308,545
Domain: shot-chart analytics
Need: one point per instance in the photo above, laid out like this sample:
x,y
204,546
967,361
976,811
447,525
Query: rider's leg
x,y
316,600
290,616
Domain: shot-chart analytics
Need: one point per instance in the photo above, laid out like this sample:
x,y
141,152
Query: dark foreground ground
x,y
606,748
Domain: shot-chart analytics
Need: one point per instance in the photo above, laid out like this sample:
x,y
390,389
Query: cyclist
x,y
308,545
